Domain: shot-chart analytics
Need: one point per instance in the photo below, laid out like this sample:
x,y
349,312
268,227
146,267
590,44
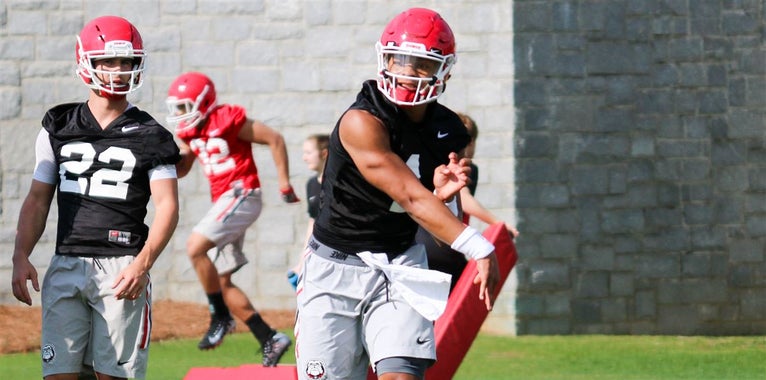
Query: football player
x,y
365,295
104,158
220,137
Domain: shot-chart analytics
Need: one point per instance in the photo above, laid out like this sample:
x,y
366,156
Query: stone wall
x,y
641,161
296,65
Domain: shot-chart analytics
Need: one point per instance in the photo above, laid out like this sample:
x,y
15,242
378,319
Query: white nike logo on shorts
x,y
440,135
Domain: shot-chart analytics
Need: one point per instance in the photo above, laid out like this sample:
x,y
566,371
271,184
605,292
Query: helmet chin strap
x,y
109,95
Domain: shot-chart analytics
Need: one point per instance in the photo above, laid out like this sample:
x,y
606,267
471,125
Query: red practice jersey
x,y
225,158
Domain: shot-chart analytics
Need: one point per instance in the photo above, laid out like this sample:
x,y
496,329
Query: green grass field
x,y
592,357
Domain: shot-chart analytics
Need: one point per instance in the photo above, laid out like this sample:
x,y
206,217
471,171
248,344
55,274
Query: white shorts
x,y
349,316
83,322
225,225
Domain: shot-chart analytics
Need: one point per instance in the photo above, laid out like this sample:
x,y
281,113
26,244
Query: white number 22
x,y
107,183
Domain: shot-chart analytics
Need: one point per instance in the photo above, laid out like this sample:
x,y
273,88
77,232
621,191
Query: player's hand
x,y
130,283
487,278
511,230
288,195
23,271
450,178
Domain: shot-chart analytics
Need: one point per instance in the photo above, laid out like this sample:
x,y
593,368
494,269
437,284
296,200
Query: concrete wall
x,y
295,65
641,158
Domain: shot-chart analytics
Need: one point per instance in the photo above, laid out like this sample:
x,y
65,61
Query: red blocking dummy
x,y
457,328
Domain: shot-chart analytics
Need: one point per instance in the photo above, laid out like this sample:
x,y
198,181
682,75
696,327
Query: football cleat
x,y
274,349
219,327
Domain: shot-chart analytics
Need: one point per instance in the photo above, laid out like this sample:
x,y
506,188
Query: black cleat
x,y
275,348
219,327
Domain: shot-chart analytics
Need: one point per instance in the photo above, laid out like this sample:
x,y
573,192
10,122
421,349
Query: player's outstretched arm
x,y
259,133
32,217
132,280
367,141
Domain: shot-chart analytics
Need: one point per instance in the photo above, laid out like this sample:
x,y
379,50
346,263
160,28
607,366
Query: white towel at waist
x,y
425,290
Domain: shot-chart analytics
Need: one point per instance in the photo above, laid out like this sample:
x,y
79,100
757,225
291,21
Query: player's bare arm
x,y
447,182
259,133
366,140
187,160
32,217
132,280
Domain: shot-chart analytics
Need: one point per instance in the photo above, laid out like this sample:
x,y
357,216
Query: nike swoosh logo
x,y
440,135
421,340
214,133
128,129
218,335
123,363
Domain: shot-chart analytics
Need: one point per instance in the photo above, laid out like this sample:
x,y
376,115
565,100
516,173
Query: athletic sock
x,y
217,305
260,329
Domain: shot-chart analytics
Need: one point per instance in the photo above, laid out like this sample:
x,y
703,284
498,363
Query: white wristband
x,y
471,243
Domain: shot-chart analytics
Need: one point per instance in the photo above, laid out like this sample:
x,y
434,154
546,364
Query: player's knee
x,y
225,281
195,250
192,252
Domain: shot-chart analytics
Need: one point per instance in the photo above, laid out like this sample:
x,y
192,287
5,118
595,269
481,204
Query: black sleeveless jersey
x,y
103,184
355,216
312,196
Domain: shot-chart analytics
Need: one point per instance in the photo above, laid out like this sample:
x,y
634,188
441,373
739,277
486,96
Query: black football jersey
x,y
103,184
355,216
312,196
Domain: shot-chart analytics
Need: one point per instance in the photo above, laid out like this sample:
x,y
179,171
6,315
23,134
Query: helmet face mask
x,y
110,37
415,55
190,99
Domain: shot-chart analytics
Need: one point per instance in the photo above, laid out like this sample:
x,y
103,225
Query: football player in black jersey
x,y
364,295
104,159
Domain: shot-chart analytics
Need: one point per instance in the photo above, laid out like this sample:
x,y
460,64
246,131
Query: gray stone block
x,y
547,326
586,311
612,58
591,284
228,7
645,304
27,23
10,103
549,275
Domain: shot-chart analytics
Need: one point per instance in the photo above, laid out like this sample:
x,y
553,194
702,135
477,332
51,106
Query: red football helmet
x,y
419,38
109,37
191,97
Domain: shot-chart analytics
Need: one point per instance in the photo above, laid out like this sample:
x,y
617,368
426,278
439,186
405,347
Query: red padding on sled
x,y
244,372
457,328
